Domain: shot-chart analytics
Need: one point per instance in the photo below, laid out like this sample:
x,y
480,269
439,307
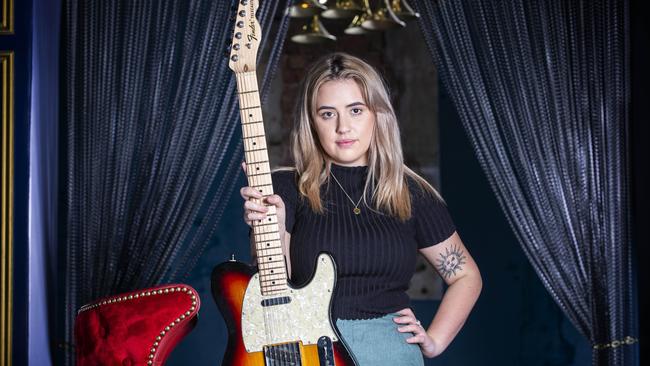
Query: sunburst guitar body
x,y
289,328
269,321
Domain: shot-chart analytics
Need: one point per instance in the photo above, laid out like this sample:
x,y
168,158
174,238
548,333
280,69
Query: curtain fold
x,y
152,137
541,88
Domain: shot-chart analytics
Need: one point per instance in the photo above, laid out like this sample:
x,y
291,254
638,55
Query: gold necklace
x,y
356,209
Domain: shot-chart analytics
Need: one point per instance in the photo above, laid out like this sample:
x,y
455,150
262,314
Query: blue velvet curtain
x,y
542,91
152,142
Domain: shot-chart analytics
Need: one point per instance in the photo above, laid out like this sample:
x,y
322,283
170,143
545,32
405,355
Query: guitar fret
x,y
261,252
277,237
276,280
250,99
252,137
265,235
272,241
262,186
259,149
258,174
258,169
261,248
252,129
266,229
266,269
248,91
258,162
273,282
251,122
274,235
253,107
272,270
269,250
273,287
271,256
253,126
272,261
274,292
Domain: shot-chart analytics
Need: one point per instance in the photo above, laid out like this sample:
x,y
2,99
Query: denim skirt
x,y
377,342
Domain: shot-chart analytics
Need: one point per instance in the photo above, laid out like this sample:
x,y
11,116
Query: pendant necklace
x,y
356,209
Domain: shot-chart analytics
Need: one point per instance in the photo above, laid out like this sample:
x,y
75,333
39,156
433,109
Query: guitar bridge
x,y
283,354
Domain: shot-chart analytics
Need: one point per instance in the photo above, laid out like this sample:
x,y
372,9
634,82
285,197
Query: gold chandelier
x,y
367,17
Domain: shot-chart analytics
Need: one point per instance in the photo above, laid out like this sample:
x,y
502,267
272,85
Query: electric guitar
x,y
269,321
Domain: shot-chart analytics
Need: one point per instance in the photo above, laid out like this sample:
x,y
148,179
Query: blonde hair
x,y
387,173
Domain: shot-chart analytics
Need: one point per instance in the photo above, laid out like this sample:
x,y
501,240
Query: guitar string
x,y
243,81
296,353
289,353
271,317
274,323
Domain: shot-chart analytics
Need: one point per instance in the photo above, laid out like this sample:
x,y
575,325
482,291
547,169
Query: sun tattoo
x,y
450,262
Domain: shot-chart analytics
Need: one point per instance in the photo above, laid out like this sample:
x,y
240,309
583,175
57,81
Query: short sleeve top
x,y
375,253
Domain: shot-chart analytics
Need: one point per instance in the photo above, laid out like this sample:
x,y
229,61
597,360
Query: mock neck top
x,y
352,179
375,253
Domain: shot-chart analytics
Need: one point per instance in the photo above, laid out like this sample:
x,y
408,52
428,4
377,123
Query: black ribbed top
x,y
375,253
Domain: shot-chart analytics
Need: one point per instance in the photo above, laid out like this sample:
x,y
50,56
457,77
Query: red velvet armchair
x,y
135,328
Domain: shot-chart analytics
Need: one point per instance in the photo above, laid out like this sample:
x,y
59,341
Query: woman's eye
x,y
357,110
327,115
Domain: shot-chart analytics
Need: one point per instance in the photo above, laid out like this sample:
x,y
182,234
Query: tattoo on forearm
x,y
451,261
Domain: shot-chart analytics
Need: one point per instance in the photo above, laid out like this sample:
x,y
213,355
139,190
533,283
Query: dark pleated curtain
x,y
152,137
541,88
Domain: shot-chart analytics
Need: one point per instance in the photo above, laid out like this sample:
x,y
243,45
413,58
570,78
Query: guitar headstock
x,y
246,38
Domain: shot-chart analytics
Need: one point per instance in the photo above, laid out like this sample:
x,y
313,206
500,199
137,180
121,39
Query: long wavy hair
x,y
387,173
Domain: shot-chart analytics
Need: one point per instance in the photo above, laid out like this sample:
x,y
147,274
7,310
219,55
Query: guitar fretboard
x,y
268,247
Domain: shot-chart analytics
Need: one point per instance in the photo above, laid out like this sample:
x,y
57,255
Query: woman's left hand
x,y
420,335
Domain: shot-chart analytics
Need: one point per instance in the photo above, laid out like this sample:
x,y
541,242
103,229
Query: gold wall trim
x,y
7,17
7,204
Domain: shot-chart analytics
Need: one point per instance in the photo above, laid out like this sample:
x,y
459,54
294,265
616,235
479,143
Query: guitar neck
x,y
266,235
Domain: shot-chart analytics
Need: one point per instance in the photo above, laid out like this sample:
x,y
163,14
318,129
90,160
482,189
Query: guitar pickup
x,y
276,301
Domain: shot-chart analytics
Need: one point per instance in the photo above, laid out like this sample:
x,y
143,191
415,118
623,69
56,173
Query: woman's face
x,y
343,122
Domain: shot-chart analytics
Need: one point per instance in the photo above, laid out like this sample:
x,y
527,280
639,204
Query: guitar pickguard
x,y
296,315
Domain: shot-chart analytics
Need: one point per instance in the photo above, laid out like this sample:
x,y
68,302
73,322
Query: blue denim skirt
x,y
377,342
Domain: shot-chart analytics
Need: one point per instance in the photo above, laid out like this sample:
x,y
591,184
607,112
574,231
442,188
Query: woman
x,y
351,195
